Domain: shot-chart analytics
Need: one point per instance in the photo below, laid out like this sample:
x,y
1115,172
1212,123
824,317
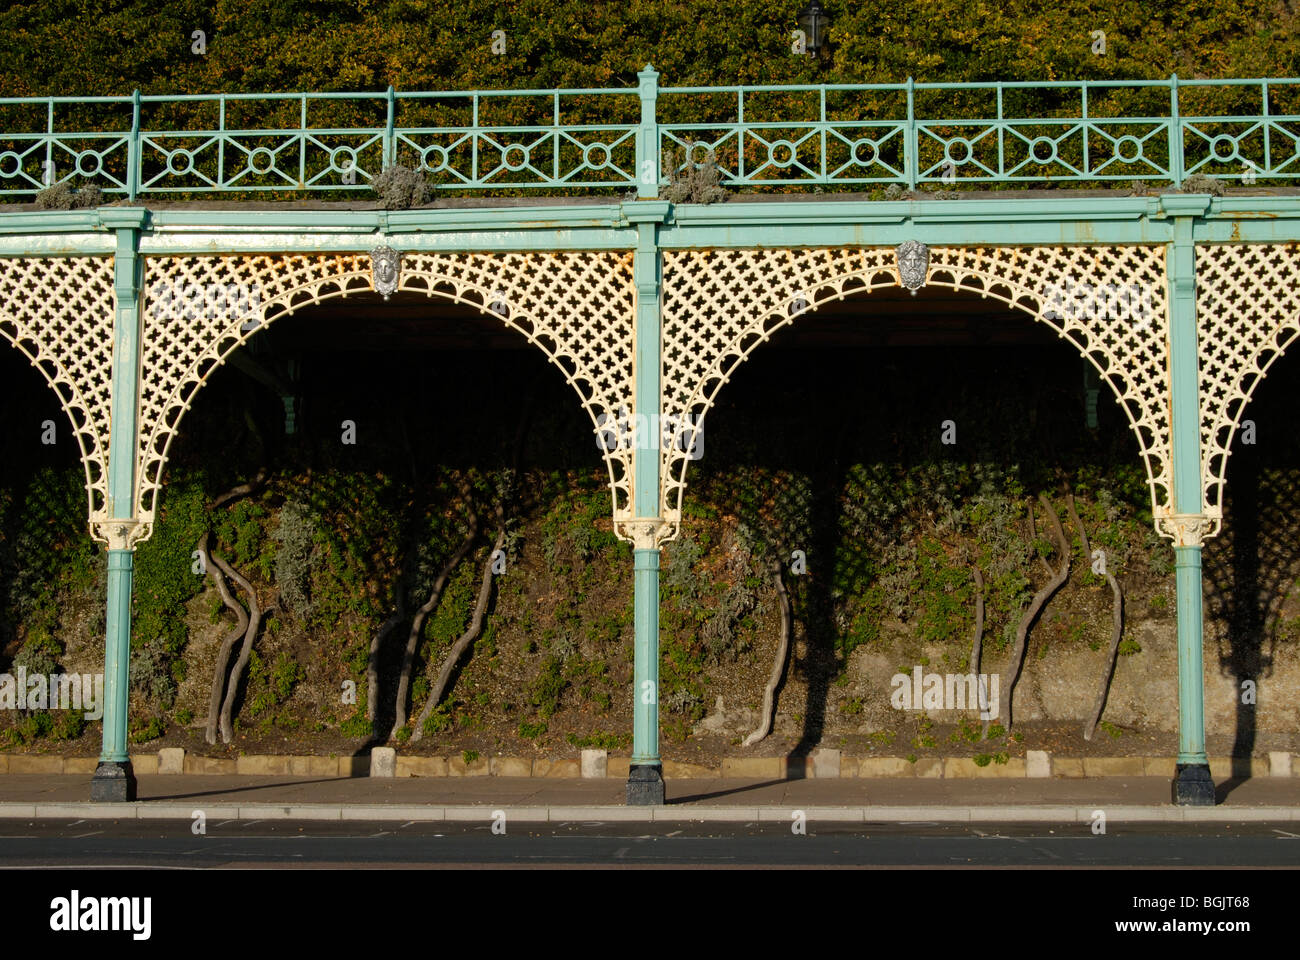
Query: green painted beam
x,y
776,223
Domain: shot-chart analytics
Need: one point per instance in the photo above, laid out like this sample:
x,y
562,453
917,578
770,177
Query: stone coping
x,y
596,764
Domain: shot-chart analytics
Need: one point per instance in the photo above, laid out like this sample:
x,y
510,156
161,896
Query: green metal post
x,y
390,140
647,136
1192,783
114,779
645,783
911,146
133,150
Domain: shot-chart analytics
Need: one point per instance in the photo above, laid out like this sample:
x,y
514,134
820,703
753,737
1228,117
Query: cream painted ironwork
x,y
59,312
720,304
578,308
1247,315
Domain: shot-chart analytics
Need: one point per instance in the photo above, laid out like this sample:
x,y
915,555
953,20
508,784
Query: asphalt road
x,y
89,844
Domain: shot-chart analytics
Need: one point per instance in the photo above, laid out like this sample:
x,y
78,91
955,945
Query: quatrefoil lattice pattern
x,y
577,307
59,313
1247,315
719,305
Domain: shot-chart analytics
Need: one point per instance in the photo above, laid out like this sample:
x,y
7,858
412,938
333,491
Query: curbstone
x,y
353,766
965,768
208,766
1159,767
261,766
1279,763
323,767
594,764
883,767
421,767
510,767
86,811
676,770
153,810
171,761
1038,764
812,815
1113,767
309,811
80,765
144,764
930,768
1236,767
557,768
18,763
618,767
754,768
393,811
1067,767
599,814
676,814
824,764
383,762
457,767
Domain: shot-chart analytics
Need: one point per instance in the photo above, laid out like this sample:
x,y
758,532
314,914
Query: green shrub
x,y
142,730
357,727
531,731
438,720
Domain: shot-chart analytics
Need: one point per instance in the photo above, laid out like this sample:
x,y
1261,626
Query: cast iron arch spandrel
x,y
719,305
577,307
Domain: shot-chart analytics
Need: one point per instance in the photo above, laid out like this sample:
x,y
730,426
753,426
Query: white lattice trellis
x,y
720,304
576,307
1247,315
59,313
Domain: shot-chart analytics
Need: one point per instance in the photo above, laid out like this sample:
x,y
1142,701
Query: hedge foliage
x,y
111,48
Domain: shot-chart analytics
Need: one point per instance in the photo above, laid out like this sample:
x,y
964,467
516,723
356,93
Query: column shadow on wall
x,y
1251,567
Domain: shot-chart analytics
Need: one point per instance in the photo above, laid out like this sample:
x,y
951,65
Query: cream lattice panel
x,y
576,307
1247,314
59,313
720,304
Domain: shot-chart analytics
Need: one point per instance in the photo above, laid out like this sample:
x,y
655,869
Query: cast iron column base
x,y
114,782
1193,786
645,786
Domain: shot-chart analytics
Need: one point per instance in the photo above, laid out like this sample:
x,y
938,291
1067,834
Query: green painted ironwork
x,y
121,481
648,273
791,137
1184,370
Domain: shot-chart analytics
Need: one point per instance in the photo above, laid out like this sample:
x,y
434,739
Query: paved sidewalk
x,y
35,796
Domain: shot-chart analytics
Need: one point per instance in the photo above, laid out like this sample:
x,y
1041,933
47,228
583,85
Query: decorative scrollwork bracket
x,y
646,533
120,534
1187,529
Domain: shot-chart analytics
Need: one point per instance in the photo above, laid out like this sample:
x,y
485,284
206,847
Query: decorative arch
x,y
59,312
719,305
577,307
1247,316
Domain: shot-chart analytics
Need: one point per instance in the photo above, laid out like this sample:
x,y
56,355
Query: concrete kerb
x,y
672,813
597,764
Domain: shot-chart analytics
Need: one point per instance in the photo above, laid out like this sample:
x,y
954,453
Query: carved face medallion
x,y
913,263
385,263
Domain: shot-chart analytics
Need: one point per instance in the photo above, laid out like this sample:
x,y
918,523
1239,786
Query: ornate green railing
x,y
828,136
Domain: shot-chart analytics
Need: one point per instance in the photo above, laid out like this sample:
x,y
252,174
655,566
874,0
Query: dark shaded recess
x,y
28,402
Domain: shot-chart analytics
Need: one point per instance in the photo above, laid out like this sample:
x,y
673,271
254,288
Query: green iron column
x,y
645,784
1193,785
114,779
